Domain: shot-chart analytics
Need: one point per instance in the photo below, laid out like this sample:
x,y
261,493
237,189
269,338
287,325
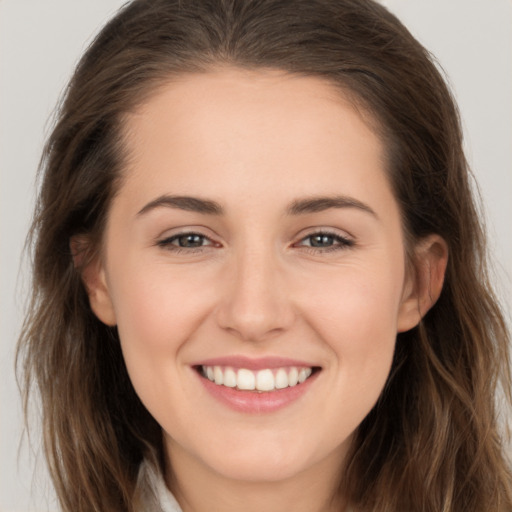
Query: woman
x,y
259,273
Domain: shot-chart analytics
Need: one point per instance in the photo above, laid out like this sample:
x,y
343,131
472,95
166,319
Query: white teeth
x,y
304,374
265,380
218,375
293,377
262,380
245,379
281,379
230,378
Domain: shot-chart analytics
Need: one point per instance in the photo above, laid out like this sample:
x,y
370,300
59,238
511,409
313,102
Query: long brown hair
x,y
432,442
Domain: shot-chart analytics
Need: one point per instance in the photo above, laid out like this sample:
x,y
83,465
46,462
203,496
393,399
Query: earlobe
x,y
425,282
94,279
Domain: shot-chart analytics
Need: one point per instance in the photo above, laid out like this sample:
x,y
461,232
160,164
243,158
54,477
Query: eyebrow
x,y
297,207
320,204
187,203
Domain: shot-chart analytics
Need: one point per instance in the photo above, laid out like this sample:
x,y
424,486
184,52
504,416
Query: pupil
x,y
190,240
321,240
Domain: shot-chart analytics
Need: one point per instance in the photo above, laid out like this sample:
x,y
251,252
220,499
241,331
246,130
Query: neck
x,y
199,488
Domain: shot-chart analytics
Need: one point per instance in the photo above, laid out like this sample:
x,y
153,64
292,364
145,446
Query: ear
x,y
424,281
92,272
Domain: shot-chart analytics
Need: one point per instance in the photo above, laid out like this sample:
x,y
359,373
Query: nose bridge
x,y
255,303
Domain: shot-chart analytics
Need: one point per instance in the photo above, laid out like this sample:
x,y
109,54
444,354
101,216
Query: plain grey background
x,y
40,42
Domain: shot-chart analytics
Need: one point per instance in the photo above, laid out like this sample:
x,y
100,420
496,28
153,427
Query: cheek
x,y
355,298
355,312
157,308
157,313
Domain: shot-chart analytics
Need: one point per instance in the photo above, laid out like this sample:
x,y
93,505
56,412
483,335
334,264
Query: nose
x,y
255,303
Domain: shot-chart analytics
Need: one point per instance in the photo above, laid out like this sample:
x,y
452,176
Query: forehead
x,y
241,132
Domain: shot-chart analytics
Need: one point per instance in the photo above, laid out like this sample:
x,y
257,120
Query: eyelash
x,y
341,242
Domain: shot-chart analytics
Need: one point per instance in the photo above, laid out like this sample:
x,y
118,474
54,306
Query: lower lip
x,y
255,402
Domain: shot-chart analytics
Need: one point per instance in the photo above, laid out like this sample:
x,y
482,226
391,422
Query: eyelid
x,y
166,241
186,229
344,240
321,230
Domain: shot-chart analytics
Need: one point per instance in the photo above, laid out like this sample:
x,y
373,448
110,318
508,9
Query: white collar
x,y
152,492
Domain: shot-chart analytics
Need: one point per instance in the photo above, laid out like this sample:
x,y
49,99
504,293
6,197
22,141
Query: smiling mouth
x,y
264,380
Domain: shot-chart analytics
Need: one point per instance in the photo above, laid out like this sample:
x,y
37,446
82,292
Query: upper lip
x,y
259,363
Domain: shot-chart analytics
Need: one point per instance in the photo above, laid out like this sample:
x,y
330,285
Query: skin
x,y
255,142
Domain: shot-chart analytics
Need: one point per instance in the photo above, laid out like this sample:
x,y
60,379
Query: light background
x,y
40,42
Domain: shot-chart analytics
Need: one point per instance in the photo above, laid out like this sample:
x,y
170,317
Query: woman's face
x,y
254,242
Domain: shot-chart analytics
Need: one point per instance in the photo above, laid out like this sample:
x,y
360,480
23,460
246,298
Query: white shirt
x,y
154,494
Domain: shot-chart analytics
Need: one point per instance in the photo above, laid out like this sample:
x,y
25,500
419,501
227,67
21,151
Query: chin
x,y
261,469
269,462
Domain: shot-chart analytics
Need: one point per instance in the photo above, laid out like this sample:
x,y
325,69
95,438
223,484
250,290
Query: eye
x,y
325,241
185,241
